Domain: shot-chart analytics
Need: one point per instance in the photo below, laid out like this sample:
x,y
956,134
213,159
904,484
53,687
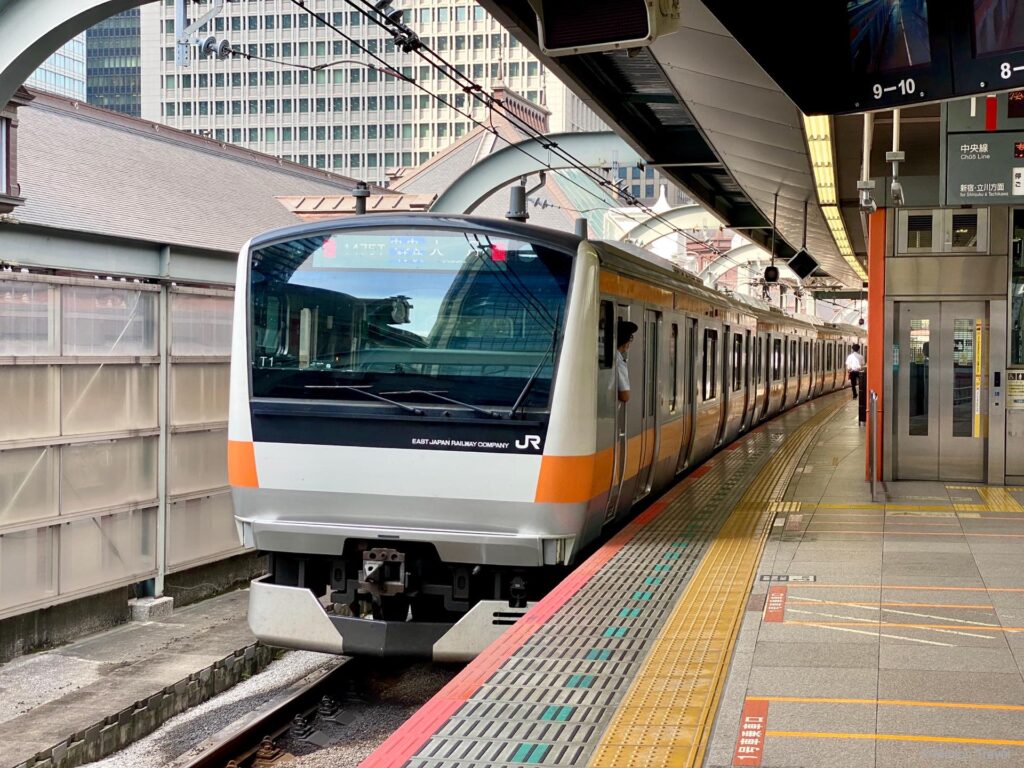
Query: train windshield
x,y
411,315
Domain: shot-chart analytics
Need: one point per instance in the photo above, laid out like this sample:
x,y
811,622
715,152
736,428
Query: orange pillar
x,y
876,327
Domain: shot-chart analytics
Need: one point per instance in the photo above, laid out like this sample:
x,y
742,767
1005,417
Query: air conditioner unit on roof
x,y
586,26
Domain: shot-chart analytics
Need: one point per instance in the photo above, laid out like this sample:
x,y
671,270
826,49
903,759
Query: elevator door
x,y
941,390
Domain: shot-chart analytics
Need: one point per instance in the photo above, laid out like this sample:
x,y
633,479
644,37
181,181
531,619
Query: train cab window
x,y
372,313
606,335
710,369
776,359
737,362
673,366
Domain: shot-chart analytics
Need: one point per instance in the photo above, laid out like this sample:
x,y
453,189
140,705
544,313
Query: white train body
x,y
424,423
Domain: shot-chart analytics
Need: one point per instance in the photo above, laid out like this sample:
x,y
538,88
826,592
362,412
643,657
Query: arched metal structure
x,y
595,150
30,30
736,257
681,217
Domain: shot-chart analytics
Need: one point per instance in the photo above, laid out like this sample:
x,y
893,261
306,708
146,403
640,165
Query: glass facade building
x,y
113,49
64,72
345,117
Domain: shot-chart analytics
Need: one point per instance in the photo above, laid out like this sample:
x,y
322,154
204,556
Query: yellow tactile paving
x,y
684,671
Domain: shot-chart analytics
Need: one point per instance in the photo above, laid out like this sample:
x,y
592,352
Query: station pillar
x,y
875,381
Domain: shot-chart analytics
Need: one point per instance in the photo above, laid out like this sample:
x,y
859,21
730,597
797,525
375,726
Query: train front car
x,y
392,388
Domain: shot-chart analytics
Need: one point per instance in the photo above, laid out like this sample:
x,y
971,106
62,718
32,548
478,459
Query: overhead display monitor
x,y
862,55
802,264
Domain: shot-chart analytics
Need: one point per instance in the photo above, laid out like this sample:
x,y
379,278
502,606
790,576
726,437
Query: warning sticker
x,y
1015,389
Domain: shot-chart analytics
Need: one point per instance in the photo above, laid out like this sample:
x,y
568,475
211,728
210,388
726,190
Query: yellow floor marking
x,y
932,533
890,703
687,662
922,587
973,627
899,605
894,737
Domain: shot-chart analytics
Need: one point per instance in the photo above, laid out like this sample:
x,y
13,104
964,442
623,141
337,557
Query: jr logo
x,y
528,441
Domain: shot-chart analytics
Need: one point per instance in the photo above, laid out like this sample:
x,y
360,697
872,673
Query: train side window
x,y
794,361
776,359
710,366
807,357
606,335
673,366
737,362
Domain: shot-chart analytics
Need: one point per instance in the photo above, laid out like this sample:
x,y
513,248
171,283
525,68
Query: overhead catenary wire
x,y
409,41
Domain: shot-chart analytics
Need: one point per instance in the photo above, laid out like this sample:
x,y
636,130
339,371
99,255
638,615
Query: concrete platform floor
x,y
894,631
120,681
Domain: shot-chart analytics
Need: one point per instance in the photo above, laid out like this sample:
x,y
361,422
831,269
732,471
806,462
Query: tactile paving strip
x,y
550,701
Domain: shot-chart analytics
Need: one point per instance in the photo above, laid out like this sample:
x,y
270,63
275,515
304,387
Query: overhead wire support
x,y
400,32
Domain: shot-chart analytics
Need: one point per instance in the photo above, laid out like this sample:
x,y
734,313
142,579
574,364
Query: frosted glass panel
x,y
201,528
29,401
99,475
26,310
199,393
108,398
200,325
197,461
28,484
27,571
107,549
108,321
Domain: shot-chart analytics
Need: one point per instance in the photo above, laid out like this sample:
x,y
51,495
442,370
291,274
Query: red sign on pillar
x,y
750,742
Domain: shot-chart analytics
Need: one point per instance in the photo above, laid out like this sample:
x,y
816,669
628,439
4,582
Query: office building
x,y
114,76
64,72
345,117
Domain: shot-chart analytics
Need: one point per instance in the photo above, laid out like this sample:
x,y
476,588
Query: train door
x,y
688,345
621,421
748,384
726,377
649,410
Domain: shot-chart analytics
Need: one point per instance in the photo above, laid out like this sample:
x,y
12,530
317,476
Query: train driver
x,y
623,336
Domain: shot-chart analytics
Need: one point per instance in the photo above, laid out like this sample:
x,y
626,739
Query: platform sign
x,y
1015,390
981,168
775,605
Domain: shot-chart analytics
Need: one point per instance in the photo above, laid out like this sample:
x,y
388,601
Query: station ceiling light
x,y
818,132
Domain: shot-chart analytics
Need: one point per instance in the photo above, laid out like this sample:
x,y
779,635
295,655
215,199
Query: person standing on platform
x,y
854,366
623,336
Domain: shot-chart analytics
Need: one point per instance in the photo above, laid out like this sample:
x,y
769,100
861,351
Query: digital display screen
x,y
1015,104
1018,150
998,27
888,35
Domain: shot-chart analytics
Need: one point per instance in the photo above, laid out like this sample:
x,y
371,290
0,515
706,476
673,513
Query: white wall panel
x,y
27,313
201,528
28,484
200,325
102,550
29,401
107,474
199,393
28,566
108,398
197,461
108,321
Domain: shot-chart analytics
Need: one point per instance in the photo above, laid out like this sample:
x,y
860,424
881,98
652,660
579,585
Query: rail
x,y
872,441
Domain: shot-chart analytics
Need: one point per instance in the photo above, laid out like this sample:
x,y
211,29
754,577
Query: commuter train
x,y
425,431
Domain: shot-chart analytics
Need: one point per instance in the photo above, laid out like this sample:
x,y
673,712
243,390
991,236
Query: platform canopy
x,y
697,106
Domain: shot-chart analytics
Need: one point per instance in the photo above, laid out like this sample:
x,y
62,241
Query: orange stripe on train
x,y
242,465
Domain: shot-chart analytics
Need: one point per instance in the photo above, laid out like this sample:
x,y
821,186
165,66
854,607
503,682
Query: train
x,y
427,427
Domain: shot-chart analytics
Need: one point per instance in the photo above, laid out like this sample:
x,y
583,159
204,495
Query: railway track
x,y
252,742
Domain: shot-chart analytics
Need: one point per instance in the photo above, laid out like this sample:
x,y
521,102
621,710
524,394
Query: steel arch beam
x,y
595,150
736,257
681,217
33,29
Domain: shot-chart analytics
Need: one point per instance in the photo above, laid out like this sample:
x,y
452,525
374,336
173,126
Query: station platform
x,y
83,701
764,612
